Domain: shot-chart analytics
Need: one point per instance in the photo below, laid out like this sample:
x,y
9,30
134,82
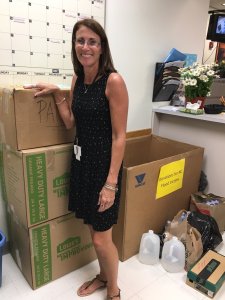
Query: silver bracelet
x,y
111,187
60,102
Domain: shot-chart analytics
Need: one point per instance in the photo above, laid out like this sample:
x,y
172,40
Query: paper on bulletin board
x,y
170,178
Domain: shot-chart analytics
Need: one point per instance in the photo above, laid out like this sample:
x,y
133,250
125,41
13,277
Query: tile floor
x,y
137,282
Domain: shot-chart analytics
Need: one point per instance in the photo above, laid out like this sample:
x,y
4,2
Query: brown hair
x,y
105,61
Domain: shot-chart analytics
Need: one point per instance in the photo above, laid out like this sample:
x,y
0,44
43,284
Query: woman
x,y
98,105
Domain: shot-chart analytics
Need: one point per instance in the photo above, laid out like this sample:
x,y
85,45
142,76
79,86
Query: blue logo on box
x,y
140,179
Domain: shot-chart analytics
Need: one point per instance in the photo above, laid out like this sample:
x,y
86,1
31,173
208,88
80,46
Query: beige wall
x,y
142,33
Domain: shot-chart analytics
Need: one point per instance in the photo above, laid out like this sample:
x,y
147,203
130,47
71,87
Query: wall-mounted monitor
x,y
216,28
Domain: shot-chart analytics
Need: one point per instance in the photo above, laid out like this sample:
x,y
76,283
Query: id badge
x,y
77,151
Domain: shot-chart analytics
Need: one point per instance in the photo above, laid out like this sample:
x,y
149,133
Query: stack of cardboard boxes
x,y
46,240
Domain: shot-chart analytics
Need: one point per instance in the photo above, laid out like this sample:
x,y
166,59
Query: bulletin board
x,y
35,38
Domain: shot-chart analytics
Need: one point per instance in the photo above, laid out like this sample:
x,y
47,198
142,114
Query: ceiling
x,y
216,4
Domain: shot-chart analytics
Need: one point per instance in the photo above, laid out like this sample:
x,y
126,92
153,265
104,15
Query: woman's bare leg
x,y
108,259
108,262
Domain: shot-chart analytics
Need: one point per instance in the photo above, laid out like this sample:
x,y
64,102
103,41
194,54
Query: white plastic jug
x,y
173,255
149,248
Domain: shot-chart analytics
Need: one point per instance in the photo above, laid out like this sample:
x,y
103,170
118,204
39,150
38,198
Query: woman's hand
x,y
43,88
106,199
60,98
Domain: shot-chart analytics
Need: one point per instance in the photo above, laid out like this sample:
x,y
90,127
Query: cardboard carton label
x,y
71,246
67,244
41,242
37,187
140,179
170,178
61,185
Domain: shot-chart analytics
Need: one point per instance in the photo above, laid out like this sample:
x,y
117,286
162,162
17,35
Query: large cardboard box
x,y
211,205
159,176
27,122
207,275
50,250
37,182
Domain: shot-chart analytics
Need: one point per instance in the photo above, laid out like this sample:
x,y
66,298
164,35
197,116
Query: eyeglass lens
x,y
89,42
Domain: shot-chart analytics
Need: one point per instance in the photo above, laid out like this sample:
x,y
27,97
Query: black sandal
x,y
89,283
115,296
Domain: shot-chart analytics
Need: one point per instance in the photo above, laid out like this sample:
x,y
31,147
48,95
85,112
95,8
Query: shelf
x,y
174,110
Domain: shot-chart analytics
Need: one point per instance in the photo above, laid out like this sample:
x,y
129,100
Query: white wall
x,y
142,33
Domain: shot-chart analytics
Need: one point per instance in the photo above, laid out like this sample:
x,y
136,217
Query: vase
x,y
199,100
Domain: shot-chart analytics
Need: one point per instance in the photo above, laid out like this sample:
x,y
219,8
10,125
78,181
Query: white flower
x,y
196,72
186,82
204,78
193,82
210,73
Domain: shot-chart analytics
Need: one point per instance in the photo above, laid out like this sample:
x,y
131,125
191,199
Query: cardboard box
x,y
2,178
50,250
27,122
142,206
207,275
217,211
37,182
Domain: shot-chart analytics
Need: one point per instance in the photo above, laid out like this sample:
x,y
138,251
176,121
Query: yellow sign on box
x,y
170,178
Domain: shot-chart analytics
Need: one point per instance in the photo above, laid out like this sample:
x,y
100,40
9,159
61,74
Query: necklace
x,y
87,86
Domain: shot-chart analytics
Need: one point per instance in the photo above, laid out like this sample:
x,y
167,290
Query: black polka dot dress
x,y
94,135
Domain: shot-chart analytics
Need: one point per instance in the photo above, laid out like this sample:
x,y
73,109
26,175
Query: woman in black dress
x,y
98,105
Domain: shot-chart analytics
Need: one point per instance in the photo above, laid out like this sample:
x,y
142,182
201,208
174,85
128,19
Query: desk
x,y
207,131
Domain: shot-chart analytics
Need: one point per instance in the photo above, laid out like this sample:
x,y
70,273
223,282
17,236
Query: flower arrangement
x,y
197,79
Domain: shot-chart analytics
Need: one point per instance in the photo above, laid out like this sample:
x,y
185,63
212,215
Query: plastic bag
x,y
207,226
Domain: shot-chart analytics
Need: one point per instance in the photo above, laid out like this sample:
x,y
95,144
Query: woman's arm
x,y
61,99
117,95
64,105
